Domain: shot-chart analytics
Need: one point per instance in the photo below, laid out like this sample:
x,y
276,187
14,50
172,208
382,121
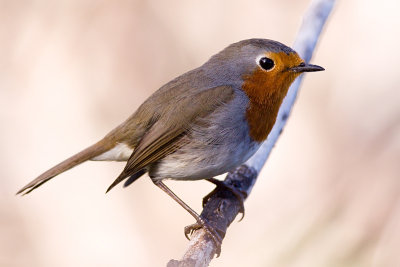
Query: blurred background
x,y
71,70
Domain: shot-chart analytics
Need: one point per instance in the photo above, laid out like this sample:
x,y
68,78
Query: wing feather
x,y
165,135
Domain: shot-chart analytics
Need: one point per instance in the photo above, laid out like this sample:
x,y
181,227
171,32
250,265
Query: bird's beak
x,y
304,67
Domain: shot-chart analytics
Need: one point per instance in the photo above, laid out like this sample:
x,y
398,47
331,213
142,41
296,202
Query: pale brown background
x,y
71,70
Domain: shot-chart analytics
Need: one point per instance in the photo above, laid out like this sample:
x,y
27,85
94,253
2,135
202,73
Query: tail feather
x,y
134,177
88,153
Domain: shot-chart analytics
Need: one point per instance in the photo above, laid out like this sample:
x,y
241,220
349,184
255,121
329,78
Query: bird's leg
x,y
240,195
200,222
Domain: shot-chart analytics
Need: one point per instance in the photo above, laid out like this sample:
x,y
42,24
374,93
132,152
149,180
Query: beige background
x,y
71,70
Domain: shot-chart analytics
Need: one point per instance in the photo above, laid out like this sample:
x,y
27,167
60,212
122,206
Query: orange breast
x,y
266,91
261,118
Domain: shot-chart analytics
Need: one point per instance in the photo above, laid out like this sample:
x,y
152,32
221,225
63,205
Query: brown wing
x,y
164,136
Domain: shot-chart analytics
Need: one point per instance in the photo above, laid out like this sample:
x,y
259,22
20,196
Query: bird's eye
x,y
266,63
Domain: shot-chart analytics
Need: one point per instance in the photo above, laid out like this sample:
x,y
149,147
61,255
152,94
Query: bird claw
x,y
215,236
207,198
239,194
189,229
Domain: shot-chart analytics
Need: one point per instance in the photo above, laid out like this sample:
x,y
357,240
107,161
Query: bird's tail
x,y
87,154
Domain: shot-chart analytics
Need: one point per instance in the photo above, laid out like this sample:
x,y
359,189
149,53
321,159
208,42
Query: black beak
x,y
304,67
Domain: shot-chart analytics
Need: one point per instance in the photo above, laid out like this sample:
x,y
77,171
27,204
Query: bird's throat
x,y
266,96
261,118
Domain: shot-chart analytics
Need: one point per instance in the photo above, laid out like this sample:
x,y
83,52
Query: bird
x,y
203,123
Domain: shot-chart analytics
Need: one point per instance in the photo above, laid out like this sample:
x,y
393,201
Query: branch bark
x,y
222,206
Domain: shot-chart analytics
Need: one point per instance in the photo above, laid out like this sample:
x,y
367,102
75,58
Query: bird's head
x,y
264,70
263,67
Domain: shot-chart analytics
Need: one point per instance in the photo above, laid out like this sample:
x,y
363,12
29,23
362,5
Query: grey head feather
x,y
238,59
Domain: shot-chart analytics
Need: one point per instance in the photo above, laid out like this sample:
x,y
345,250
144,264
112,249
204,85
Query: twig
x,y
222,206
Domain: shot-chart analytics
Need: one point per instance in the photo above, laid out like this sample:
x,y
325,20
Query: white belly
x,y
121,152
193,165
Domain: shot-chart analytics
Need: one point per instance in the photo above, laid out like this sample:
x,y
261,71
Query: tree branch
x,y
222,206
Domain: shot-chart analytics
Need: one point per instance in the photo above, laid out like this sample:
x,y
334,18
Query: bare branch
x,y
222,207
220,211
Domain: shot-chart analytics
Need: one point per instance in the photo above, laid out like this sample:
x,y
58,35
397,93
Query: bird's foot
x,y
211,231
200,222
239,194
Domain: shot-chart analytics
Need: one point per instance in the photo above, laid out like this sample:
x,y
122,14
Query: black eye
x,y
266,63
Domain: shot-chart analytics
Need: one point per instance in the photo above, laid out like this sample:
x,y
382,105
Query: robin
x,y
203,123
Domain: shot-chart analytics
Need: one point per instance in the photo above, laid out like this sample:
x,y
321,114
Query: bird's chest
x,y
261,118
265,96
215,145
